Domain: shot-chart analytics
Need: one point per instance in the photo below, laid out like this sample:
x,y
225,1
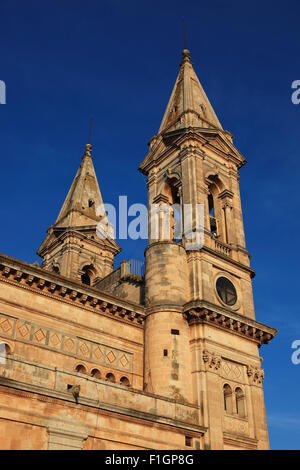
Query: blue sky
x,y
64,61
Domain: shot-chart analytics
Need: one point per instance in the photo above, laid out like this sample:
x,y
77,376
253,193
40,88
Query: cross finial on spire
x,y
186,55
87,152
184,35
88,147
90,132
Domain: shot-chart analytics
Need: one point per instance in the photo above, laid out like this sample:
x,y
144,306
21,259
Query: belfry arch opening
x,y
213,221
88,273
56,269
215,187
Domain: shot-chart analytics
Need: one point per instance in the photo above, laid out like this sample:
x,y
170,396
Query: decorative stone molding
x,y
221,247
212,360
172,174
54,340
226,194
109,399
238,439
195,313
236,425
256,375
232,370
62,439
160,198
66,290
227,204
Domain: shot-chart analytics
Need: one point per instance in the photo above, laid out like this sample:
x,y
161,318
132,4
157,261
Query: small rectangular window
x,y
165,352
188,441
174,332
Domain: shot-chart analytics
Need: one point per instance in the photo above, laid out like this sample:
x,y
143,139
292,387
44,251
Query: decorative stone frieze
x,y
59,341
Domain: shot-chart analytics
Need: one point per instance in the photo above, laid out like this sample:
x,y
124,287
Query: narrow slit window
x,y
212,219
240,402
227,393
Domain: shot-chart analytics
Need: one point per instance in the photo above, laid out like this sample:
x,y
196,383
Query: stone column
x,y
256,377
226,197
214,401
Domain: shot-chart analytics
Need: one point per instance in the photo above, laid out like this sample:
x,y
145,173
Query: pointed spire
x,y
73,242
84,196
188,105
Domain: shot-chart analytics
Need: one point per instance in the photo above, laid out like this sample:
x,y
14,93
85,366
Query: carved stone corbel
x,y
18,275
73,294
256,375
213,361
84,298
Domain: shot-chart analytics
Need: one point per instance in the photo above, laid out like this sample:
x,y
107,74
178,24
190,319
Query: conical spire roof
x,y
84,196
78,224
188,105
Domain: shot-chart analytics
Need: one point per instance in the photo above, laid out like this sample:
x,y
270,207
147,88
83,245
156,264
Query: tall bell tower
x,y
201,335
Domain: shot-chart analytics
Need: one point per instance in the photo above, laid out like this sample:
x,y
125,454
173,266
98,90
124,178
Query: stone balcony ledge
x,y
53,382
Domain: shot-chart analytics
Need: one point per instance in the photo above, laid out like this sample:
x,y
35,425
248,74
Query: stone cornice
x,y
180,135
163,308
107,244
58,287
133,279
204,312
240,440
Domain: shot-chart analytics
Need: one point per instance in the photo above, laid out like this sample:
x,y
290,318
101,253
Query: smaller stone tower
x,y
72,247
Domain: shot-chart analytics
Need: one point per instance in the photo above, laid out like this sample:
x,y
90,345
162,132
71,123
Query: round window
x,y
226,291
